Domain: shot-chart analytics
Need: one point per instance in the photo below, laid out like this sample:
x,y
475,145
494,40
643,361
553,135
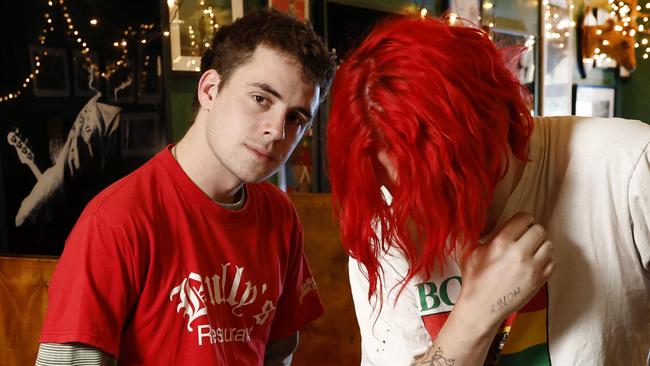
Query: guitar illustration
x,y
25,154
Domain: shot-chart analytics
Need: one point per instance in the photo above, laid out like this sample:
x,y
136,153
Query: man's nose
x,y
275,127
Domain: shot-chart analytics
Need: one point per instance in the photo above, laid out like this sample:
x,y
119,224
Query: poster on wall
x,y
60,141
50,175
297,8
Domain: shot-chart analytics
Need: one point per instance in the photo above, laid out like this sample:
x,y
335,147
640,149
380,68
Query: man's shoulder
x,y
622,129
129,192
594,137
271,196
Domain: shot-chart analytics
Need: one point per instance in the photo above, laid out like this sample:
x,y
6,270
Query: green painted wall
x,y
634,92
181,96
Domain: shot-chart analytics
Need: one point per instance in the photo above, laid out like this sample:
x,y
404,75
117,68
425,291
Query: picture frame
x,y
86,82
191,26
468,10
141,134
149,74
297,8
594,100
121,84
527,70
52,79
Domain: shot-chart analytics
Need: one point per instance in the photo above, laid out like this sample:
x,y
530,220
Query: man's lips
x,y
261,152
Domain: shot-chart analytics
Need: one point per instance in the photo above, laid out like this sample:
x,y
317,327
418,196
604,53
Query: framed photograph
x,y
527,70
469,10
594,100
149,74
192,24
52,78
297,8
120,85
141,134
87,80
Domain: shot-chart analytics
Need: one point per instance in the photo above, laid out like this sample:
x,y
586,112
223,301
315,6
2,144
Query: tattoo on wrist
x,y
503,302
434,357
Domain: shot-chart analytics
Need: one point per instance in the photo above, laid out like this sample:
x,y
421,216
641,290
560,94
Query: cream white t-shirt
x,y
589,185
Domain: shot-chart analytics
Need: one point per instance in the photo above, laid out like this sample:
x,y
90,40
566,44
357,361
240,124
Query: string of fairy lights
x,y
558,22
631,21
627,15
145,34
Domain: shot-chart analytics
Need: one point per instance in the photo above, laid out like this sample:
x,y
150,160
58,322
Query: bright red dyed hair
x,y
444,105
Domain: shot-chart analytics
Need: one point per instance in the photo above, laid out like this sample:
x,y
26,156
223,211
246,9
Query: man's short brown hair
x,y
233,45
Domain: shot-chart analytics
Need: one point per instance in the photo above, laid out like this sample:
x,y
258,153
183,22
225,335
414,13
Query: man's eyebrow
x,y
269,89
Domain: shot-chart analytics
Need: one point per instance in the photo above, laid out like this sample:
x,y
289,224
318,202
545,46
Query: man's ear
x,y
208,88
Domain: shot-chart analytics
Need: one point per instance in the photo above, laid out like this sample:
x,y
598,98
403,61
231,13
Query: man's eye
x,y
297,118
259,99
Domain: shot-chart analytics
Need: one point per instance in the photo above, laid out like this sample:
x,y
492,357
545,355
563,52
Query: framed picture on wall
x,y
192,24
594,100
149,74
87,81
52,77
120,85
297,8
526,68
469,10
141,134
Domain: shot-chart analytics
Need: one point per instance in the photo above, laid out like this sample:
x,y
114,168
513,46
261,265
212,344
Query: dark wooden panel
x,y
334,338
23,300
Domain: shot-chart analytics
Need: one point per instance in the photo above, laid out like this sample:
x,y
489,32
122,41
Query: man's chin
x,y
260,177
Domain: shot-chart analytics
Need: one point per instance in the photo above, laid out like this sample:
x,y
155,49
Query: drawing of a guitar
x,y
25,154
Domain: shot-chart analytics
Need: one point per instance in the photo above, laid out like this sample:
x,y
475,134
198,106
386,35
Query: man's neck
x,y
199,163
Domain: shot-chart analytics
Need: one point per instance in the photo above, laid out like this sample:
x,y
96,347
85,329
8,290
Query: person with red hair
x,y
433,151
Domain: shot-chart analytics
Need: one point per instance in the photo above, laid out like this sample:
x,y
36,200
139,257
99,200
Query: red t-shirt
x,y
154,272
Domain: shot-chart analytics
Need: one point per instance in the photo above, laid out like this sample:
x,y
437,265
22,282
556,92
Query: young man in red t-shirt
x,y
190,259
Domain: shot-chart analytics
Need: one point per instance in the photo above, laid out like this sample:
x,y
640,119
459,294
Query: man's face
x,y
260,114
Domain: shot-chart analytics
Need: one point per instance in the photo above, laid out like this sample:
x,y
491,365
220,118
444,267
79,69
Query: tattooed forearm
x,y
433,357
503,302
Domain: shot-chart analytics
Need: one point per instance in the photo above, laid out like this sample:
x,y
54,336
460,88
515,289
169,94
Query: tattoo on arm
x,y
503,302
434,357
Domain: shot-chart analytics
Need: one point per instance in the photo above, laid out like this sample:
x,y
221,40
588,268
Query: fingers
x,y
548,269
515,227
543,252
532,239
